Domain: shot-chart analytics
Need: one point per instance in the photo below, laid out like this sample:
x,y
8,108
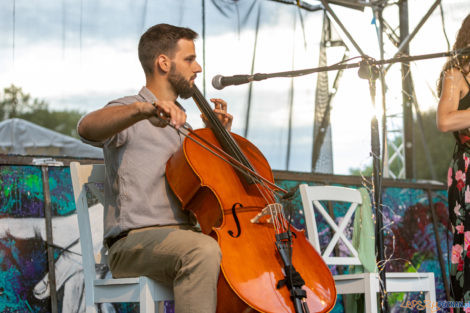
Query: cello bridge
x,y
275,211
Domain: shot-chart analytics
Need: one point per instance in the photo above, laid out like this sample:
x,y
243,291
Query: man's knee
x,y
206,253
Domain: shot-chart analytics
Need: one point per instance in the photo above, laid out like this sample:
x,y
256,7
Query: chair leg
x,y
370,293
430,296
161,307
370,301
91,308
431,304
147,305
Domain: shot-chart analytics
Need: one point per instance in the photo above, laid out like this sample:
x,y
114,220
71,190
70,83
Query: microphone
x,y
220,82
368,71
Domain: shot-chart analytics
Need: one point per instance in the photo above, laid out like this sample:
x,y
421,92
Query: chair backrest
x,y
87,175
311,197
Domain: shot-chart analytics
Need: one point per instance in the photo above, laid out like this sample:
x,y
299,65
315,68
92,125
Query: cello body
x,y
251,267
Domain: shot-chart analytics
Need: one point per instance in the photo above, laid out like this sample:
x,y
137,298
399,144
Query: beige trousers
x,y
177,255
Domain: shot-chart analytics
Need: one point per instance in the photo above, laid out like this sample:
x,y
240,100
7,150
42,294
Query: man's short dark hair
x,y
161,39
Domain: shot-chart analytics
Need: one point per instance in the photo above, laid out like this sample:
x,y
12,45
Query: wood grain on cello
x,y
257,253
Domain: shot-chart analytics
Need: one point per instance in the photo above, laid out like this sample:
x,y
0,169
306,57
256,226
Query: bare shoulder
x,y
453,73
453,78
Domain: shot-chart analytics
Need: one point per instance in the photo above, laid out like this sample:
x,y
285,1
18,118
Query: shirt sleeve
x,y
117,139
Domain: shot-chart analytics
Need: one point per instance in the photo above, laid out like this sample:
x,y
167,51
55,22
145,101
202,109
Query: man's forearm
x,y
108,121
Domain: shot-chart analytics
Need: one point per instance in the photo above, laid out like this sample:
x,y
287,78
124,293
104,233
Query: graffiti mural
x,y
410,237
24,281
23,257
410,241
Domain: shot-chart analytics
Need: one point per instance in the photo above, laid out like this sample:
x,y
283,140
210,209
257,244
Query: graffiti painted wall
x,y
24,284
23,256
410,239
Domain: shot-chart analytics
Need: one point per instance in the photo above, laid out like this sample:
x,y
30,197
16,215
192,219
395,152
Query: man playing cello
x,y
145,229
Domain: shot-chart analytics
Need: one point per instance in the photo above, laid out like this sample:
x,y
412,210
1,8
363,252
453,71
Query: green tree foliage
x,y
440,146
366,171
394,165
14,103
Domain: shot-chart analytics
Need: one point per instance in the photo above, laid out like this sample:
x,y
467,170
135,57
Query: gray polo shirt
x,y
136,191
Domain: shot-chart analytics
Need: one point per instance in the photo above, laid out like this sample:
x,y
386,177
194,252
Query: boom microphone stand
x,y
220,81
367,70
371,73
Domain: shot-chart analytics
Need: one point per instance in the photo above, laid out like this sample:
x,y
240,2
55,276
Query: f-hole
x,y
237,222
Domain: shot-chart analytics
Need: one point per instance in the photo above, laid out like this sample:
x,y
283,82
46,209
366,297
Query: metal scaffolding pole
x,y
407,91
404,41
341,26
378,174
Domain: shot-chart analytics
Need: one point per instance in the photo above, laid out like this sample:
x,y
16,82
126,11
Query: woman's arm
x,y
448,117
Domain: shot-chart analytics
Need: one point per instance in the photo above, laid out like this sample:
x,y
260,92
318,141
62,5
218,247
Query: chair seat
x,y
116,281
396,282
129,289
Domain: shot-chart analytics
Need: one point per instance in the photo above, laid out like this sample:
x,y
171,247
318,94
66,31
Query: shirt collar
x,y
150,97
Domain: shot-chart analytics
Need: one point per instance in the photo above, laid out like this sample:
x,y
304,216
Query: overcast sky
x,y
82,54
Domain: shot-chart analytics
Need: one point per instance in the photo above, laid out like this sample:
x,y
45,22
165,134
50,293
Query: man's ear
x,y
163,63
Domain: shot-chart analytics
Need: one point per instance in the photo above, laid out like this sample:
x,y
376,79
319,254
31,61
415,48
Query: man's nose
x,y
197,68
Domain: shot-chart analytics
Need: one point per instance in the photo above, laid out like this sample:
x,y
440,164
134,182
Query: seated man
x,y
144,227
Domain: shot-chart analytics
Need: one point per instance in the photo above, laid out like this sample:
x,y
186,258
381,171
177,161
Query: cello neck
x,y
229,145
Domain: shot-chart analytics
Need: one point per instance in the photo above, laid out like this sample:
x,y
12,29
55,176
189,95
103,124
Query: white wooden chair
x,y
138,289
366,283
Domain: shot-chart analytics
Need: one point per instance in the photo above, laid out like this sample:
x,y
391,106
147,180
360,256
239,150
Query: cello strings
x,y
215,122
266,192
274,220
228,139
263,185
228,158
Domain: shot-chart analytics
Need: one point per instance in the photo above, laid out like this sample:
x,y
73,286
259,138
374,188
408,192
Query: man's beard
x,y
181,86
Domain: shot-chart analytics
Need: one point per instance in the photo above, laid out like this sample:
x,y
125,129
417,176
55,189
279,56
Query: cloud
x,y
81,54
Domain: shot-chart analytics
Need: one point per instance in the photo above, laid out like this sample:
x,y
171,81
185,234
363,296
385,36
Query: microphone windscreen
x,y
217,82
367,71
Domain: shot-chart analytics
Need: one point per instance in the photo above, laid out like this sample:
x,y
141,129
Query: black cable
x,y
302,5
13,29
443,26
250,87
66,249
203,47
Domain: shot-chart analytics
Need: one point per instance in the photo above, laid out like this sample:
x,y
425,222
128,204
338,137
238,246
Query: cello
x,y
267,265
